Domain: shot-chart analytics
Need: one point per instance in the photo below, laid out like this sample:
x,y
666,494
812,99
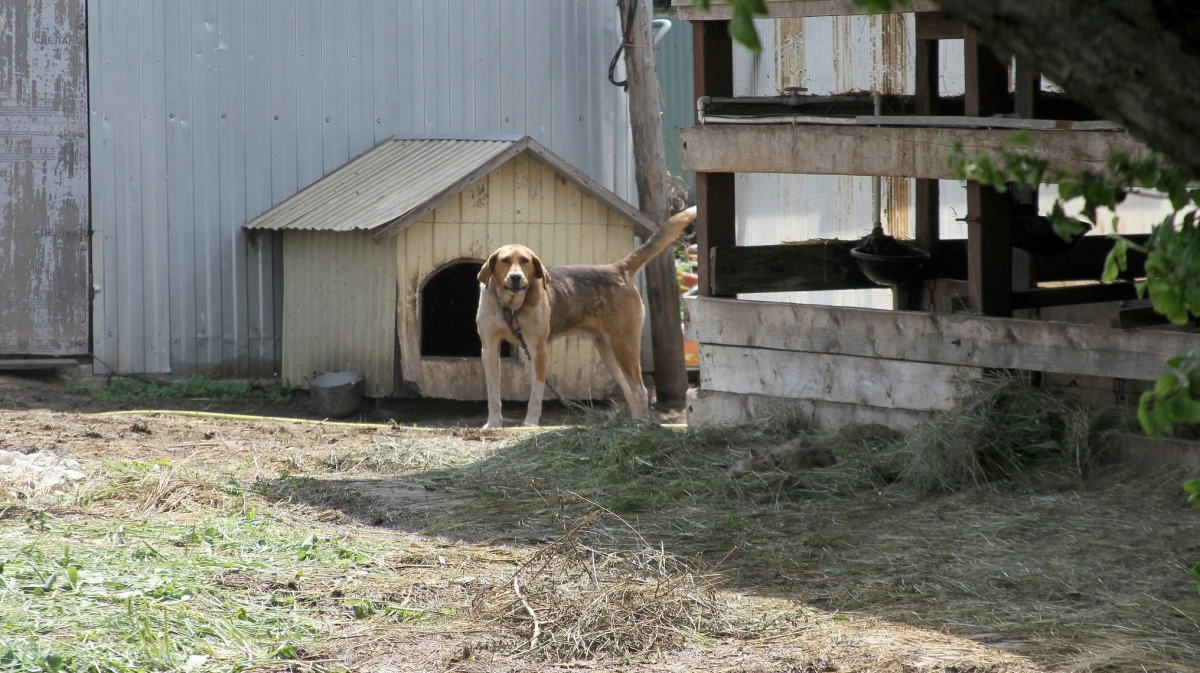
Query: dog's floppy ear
x,y
488,267
539,270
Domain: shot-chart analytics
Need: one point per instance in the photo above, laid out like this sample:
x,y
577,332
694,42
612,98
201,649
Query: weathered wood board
x,y
721,11
713,407
905,152
964,340
847,379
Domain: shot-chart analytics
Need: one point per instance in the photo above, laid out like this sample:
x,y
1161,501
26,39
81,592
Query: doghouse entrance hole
x,y
449,301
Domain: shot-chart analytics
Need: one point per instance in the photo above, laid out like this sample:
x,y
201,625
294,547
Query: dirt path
x,y
380,548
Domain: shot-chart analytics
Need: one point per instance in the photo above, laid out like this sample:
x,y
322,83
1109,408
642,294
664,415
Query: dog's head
x,y
512,268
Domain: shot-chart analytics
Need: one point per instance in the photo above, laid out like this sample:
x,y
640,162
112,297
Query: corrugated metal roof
x,y
402,179
390,180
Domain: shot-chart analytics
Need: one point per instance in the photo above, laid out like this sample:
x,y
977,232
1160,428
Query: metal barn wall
x,y
206,113
44,294
673,65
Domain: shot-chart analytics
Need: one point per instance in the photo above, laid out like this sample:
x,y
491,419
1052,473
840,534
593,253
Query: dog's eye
x,y
507,260
524,260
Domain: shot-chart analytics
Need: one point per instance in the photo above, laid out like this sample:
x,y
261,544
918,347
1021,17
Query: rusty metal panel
x,y
44,294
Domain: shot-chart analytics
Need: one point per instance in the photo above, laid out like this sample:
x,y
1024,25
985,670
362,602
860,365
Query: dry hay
x,y
573,600
140,489
1006,430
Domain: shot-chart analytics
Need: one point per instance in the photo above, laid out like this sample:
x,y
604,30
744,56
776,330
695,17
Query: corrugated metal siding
x,y
383,184
339,306
525,202
206,113
44,294
826,55
673,64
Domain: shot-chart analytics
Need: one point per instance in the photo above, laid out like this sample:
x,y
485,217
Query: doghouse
x,y
380,261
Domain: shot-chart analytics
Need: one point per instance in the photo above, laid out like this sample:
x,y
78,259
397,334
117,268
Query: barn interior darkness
x,y
449,301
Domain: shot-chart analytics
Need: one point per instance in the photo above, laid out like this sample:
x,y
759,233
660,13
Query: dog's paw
x,y
532,423
493,425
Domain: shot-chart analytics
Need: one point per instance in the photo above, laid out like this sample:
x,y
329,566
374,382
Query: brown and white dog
x,y
526,303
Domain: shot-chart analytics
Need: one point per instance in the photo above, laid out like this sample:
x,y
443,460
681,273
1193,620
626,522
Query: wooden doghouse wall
x,y
523,202
339,295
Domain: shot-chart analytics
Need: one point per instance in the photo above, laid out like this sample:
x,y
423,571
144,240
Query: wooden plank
x,y
989,251
933,26
957,339
1027,89
712,72
791,9
813,265
1143,316
907,152
716,408
1075,294
951,121
848,379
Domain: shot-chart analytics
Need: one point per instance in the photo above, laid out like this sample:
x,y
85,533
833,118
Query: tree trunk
x,y
662,287
1137,62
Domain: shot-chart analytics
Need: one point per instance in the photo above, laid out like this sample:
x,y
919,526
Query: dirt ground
x,y
1086,578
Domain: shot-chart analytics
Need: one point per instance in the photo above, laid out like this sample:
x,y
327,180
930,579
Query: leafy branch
x,y
1172,252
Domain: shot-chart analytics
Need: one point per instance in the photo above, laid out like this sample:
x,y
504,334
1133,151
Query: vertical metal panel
x,y
673,63
44,249
208,112
826,55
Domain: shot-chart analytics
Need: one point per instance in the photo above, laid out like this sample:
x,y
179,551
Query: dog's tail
x,y
659,240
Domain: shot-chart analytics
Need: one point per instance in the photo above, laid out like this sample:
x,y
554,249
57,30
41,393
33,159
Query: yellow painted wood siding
x,y
523,202
339,296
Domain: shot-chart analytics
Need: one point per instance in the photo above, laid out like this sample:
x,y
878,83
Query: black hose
x,y
612,65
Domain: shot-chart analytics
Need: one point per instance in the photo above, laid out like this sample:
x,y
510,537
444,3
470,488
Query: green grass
x,y
123,389
230,591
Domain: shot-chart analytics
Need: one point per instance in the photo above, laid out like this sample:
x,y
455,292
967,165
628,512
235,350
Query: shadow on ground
x,y
1071,572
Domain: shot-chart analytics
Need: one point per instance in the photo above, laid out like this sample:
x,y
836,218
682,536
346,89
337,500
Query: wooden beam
x,y
1142,316
939,26
1027,89
1075,294
785,9
712,65
989,251
904,152
926,225
848,379
808,266
986,79
827,265
959,339
1086,261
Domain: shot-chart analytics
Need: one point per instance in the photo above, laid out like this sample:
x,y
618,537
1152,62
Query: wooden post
x,y
712,63
989,242
926,230
662,286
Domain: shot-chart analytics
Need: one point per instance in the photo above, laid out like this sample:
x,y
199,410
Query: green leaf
x,y
1192,488
1022,138
741,29
1195,573
1116,262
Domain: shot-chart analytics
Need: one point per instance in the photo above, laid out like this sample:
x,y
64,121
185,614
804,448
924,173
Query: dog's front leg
x,y
491,373
537,382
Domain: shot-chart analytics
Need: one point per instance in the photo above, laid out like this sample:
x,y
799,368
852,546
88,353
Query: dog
x,y
794,456
526,303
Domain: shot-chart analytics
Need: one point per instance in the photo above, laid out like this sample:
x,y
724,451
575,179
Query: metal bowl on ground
x,y
335,394
886,261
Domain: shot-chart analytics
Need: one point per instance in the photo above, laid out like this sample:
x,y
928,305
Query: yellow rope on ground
x,y
308,421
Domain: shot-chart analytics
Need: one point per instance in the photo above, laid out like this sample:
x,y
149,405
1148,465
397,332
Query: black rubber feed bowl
x,y
1035,234
890,270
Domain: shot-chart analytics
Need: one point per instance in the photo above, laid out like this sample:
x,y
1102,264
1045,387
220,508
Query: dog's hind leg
x,y
537,382
635,392
491,373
